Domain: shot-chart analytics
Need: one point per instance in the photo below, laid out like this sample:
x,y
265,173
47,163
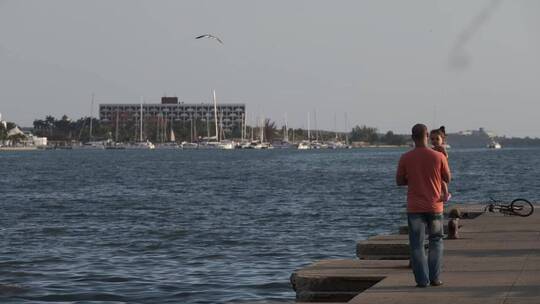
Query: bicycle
x,y
519,206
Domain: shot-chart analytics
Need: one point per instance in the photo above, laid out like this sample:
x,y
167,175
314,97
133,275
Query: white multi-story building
x,y
229,114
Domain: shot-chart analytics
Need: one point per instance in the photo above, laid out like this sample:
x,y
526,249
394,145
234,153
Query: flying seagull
x,y
209,36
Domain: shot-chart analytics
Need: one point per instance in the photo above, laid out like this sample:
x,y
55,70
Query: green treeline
x,y
4,130
155,130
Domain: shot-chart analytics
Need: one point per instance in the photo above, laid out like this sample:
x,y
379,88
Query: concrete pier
x,y
496,260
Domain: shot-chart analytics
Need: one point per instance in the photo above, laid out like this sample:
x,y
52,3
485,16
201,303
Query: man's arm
x,y
401,180
445,171
401,174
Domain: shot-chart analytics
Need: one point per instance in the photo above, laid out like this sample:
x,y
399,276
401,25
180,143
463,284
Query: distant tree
x,y
10,125
270,130
393,139
298,134
62,127
49,120
3,132
364,133
40,127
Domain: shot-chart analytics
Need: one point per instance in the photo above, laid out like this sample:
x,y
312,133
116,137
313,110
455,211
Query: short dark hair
x,y
419,131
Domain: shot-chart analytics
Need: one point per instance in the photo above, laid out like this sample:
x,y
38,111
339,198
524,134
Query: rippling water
x,y
207,226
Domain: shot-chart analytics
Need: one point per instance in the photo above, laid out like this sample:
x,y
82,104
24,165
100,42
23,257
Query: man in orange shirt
x,y
423,170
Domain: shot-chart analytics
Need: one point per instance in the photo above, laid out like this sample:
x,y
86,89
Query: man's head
x,y
420,135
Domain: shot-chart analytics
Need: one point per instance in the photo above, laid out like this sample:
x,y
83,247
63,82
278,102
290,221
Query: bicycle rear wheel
x,y
521,207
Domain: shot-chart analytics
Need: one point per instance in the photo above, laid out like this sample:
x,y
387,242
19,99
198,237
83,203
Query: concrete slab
x,y
497,260
334,280
383,249
389,237
354,263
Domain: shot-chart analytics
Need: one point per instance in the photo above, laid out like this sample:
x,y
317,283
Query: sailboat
x,y
171,144
494,145
283,143
141,144
115,145
94,145
306,144
211,142
262,144
220,143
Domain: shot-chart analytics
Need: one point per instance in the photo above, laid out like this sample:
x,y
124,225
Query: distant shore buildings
x,y
15,137
471,138
171,109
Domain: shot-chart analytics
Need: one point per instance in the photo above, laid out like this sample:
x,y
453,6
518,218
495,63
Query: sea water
x,y
208,226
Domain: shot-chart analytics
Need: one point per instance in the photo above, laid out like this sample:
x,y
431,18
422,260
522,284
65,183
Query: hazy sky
x,y
389,64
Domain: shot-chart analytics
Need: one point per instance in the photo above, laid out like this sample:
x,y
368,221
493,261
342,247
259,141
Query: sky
x,y
464,64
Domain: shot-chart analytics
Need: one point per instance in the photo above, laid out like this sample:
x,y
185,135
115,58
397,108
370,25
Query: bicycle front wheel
x,y
521,207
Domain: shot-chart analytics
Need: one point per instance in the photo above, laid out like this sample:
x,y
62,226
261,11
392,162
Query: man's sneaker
x,y
436,283
422,285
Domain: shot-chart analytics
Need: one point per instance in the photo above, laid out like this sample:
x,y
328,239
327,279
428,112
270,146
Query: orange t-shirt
x,y
423,169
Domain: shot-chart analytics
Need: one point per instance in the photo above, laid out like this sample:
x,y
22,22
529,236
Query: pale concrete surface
x,y
330,280
497,260
383,249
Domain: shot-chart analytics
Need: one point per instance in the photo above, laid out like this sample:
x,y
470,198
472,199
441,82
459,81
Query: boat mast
x,y
172,138
346,130
158,128
308,133
207,125
316,129
222,131
141,121
191,128
262,130
286,134
195,127
242,132
91,114
116,133
335,128
245,126
252,126
215,115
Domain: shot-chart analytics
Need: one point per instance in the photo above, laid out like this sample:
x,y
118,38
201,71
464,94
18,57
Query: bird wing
x,y
209,36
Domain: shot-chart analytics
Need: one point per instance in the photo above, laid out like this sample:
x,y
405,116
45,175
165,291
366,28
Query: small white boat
x,y
494,145
115,146
263,146
92,145
337,145
167,146
189,145
227,145
144,145
304,145
247,145
208,145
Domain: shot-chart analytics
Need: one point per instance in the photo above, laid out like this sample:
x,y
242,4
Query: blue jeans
x,y
426,270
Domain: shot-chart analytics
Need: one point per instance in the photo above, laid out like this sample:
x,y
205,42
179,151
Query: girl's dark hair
x,y
440,131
